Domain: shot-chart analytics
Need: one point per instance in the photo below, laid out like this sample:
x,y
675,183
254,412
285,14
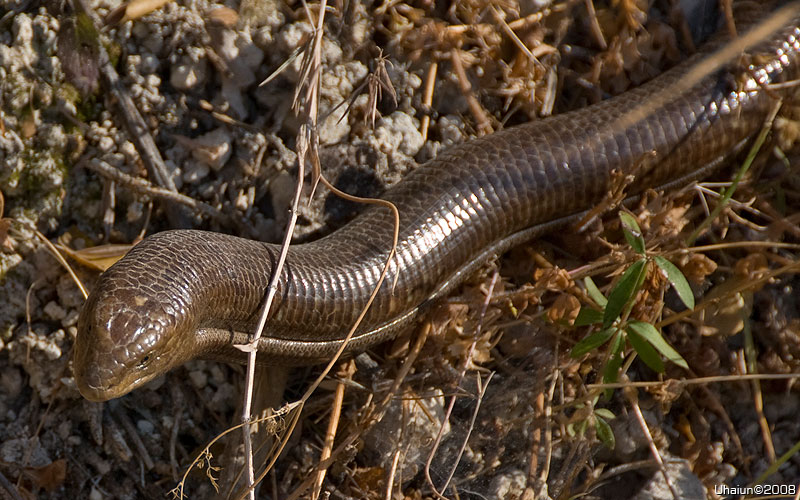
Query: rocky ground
x,y
432,74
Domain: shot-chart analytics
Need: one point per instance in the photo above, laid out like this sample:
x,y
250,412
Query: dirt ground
x,y
518,415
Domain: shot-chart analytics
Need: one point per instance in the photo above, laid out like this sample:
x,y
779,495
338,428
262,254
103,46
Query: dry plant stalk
x,y
307,146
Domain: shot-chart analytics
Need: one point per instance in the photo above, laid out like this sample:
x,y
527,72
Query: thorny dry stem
x,y
694,381
306,138
606,265
481,118
290,410
543,447
307,145
792,267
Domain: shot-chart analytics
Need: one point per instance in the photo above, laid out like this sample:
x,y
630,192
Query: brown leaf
x,y
50,477
100,257
698,267
369,478
223,16
28,125
553,279
726,316
751,266
5,241
133,10
565,309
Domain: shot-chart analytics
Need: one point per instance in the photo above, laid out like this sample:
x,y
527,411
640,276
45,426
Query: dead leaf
x,y
565,309
223,16
50,477
726,316
99,258
5,241
28,125
133,10
552,279
751,266
698,267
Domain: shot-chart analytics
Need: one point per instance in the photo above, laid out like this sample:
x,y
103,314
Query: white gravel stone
x,y
398,132
189,74
55,311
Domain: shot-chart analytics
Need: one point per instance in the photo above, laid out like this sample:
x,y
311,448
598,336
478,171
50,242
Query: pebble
x,y
55,311
68,293
189,74
145,427
24,451
509,485
686,483
199,378
398,132
242,58
71,319
213,148
150,63
194,171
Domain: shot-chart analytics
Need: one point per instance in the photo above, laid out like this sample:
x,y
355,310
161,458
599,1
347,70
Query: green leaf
x,y
592,342
624,292
632,232
677,280
594,292
605,413
611,370
654,338
604,432
645,351
588,316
